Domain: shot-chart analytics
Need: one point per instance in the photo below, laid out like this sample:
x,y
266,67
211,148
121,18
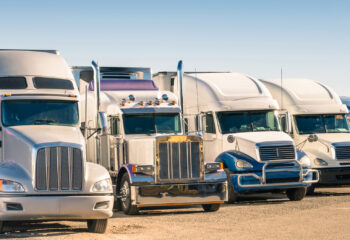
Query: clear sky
x,y
306,38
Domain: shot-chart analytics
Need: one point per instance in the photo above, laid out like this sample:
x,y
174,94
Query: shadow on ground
x,y
37,229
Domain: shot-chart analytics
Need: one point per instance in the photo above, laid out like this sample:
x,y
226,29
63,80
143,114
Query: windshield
x,y
39,112
253,121
330,123
152,123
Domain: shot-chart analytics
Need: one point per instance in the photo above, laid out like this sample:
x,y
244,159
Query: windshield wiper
x,y
40,121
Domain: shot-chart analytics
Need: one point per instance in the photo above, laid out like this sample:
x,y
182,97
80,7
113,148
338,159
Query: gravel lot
x,y
323,216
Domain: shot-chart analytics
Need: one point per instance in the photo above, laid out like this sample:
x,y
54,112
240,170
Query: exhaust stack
x,y
180,85
97,80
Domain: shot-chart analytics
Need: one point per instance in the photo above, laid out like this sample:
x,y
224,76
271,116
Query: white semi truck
x,y
239,122
151,161
43,170
315,117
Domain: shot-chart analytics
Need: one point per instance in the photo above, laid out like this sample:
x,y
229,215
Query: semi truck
x,y
239,122
151,161
44,174
314,116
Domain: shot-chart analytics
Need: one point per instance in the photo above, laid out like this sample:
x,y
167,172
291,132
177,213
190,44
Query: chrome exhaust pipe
x,y
97,81
180,85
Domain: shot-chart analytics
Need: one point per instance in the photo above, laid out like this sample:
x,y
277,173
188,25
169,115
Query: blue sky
x,y
306,38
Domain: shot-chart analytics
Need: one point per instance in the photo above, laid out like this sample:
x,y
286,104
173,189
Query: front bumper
x,y
56,207
334,176
179,194
275,178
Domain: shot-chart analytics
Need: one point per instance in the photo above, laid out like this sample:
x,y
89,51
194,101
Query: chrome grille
x,y
59,169
179,161
342,152
268,153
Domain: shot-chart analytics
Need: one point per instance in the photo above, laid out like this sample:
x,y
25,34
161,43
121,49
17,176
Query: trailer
x,y
315,117
43,170
238,119
151,161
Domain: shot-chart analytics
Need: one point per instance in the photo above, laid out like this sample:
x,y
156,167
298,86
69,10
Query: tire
x,y
1,227
296,194
97,225
125,190
232,195
310,190
211,207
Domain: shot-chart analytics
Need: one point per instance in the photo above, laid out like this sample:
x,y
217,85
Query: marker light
x,y
150,102
131,97
7,94
72,95
158,102
165,97
174,102
142,103
123,103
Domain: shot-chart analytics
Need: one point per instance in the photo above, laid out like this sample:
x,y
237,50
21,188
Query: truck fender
x,y
229,159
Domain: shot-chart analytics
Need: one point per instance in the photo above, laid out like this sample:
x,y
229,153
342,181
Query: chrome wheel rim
x,y
125,193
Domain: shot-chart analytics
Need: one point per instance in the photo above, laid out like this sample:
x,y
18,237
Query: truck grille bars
x,y
59,169
179,160
342,152
268,153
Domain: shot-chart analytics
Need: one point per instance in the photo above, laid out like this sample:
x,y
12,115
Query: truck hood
x,y
20,142
40,134
331,138
249,141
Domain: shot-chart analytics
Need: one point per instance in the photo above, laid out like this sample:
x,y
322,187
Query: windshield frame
x,y
322,115
153,115
275,113
41,100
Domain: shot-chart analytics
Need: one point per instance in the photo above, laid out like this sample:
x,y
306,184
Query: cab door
x,y
210,139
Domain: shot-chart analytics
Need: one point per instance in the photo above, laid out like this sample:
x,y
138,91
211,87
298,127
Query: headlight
x,y
305,161
243,164
320,162
103,186
8,186
210,167
144,169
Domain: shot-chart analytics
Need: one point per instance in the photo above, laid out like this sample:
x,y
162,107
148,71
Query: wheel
x,y
97,225
310,190
232,195
211,207
1,226
296,194
125,192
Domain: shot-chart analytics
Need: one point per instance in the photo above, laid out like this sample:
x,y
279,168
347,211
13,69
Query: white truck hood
x,y
20,142
247,142
40,134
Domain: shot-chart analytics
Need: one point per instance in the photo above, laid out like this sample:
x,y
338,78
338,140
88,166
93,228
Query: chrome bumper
x,y
56,207
179,194
262,178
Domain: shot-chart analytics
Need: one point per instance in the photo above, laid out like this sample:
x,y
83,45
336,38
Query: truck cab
x,y
239,122
151,161
316,119
43,170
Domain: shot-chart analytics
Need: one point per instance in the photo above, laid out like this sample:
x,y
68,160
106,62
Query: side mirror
x,y
286,122
200,124
102,116
312,138
230,138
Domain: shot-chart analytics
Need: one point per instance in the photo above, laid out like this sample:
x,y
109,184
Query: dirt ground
x,y
326,215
